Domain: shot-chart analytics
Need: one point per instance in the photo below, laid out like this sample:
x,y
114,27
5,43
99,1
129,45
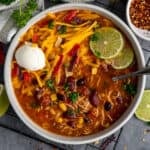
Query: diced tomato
x,y
15,70
74,50
26,77
70,15
35,38
43,23
58,65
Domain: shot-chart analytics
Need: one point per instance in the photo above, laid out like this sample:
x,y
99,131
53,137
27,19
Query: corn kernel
x,y
52,111
53,97
59,120
80,121
51,16
94,71
63,106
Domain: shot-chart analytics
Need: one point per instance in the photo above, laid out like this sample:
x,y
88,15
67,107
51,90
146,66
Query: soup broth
x,y
74,94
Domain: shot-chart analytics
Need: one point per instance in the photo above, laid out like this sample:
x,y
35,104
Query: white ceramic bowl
x,y
143,34
84,139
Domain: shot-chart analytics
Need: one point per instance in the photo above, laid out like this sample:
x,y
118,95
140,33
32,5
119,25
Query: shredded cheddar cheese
x,y
38,79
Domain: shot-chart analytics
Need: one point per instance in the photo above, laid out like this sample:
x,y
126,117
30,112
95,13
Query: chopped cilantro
x,y
73,96
50,84
22,16
51,24
70,111
62,29
66,87
95,37
130,88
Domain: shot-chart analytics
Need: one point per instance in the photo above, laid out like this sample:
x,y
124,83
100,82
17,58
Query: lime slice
x,y
123,59
4,103
143,110
107,42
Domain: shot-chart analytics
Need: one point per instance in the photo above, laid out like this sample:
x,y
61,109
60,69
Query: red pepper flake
x,y
58,65
74,61
74,50
35,38
140,14
15,70
26,77
43,23
70,16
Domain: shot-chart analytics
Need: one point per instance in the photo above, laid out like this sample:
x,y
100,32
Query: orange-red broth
x,y
96,102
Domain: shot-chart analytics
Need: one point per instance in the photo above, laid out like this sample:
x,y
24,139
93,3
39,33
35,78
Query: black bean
x,y
87,120
71,124
60,97
107,106
94,99
81,82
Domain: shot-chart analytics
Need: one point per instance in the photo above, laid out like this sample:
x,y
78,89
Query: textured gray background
x,y
14,135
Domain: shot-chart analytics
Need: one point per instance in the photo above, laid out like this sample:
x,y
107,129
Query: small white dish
x,y
143,34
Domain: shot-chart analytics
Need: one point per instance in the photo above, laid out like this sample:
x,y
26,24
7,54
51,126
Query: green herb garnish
x,y
70,112
73,96
130,88
22,16
7,2
95,37
66,87
51,24
62,29
50,84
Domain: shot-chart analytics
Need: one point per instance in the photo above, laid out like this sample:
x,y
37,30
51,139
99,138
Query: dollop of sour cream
x,y
30,57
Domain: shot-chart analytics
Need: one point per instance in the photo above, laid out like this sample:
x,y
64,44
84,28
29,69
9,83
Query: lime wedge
x,y
4,103
143,110
123,59
107,42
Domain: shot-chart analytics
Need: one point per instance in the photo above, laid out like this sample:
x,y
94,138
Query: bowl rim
x,y
55,137
131,24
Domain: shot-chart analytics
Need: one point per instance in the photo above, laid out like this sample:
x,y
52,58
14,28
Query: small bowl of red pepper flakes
x,y
138,17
